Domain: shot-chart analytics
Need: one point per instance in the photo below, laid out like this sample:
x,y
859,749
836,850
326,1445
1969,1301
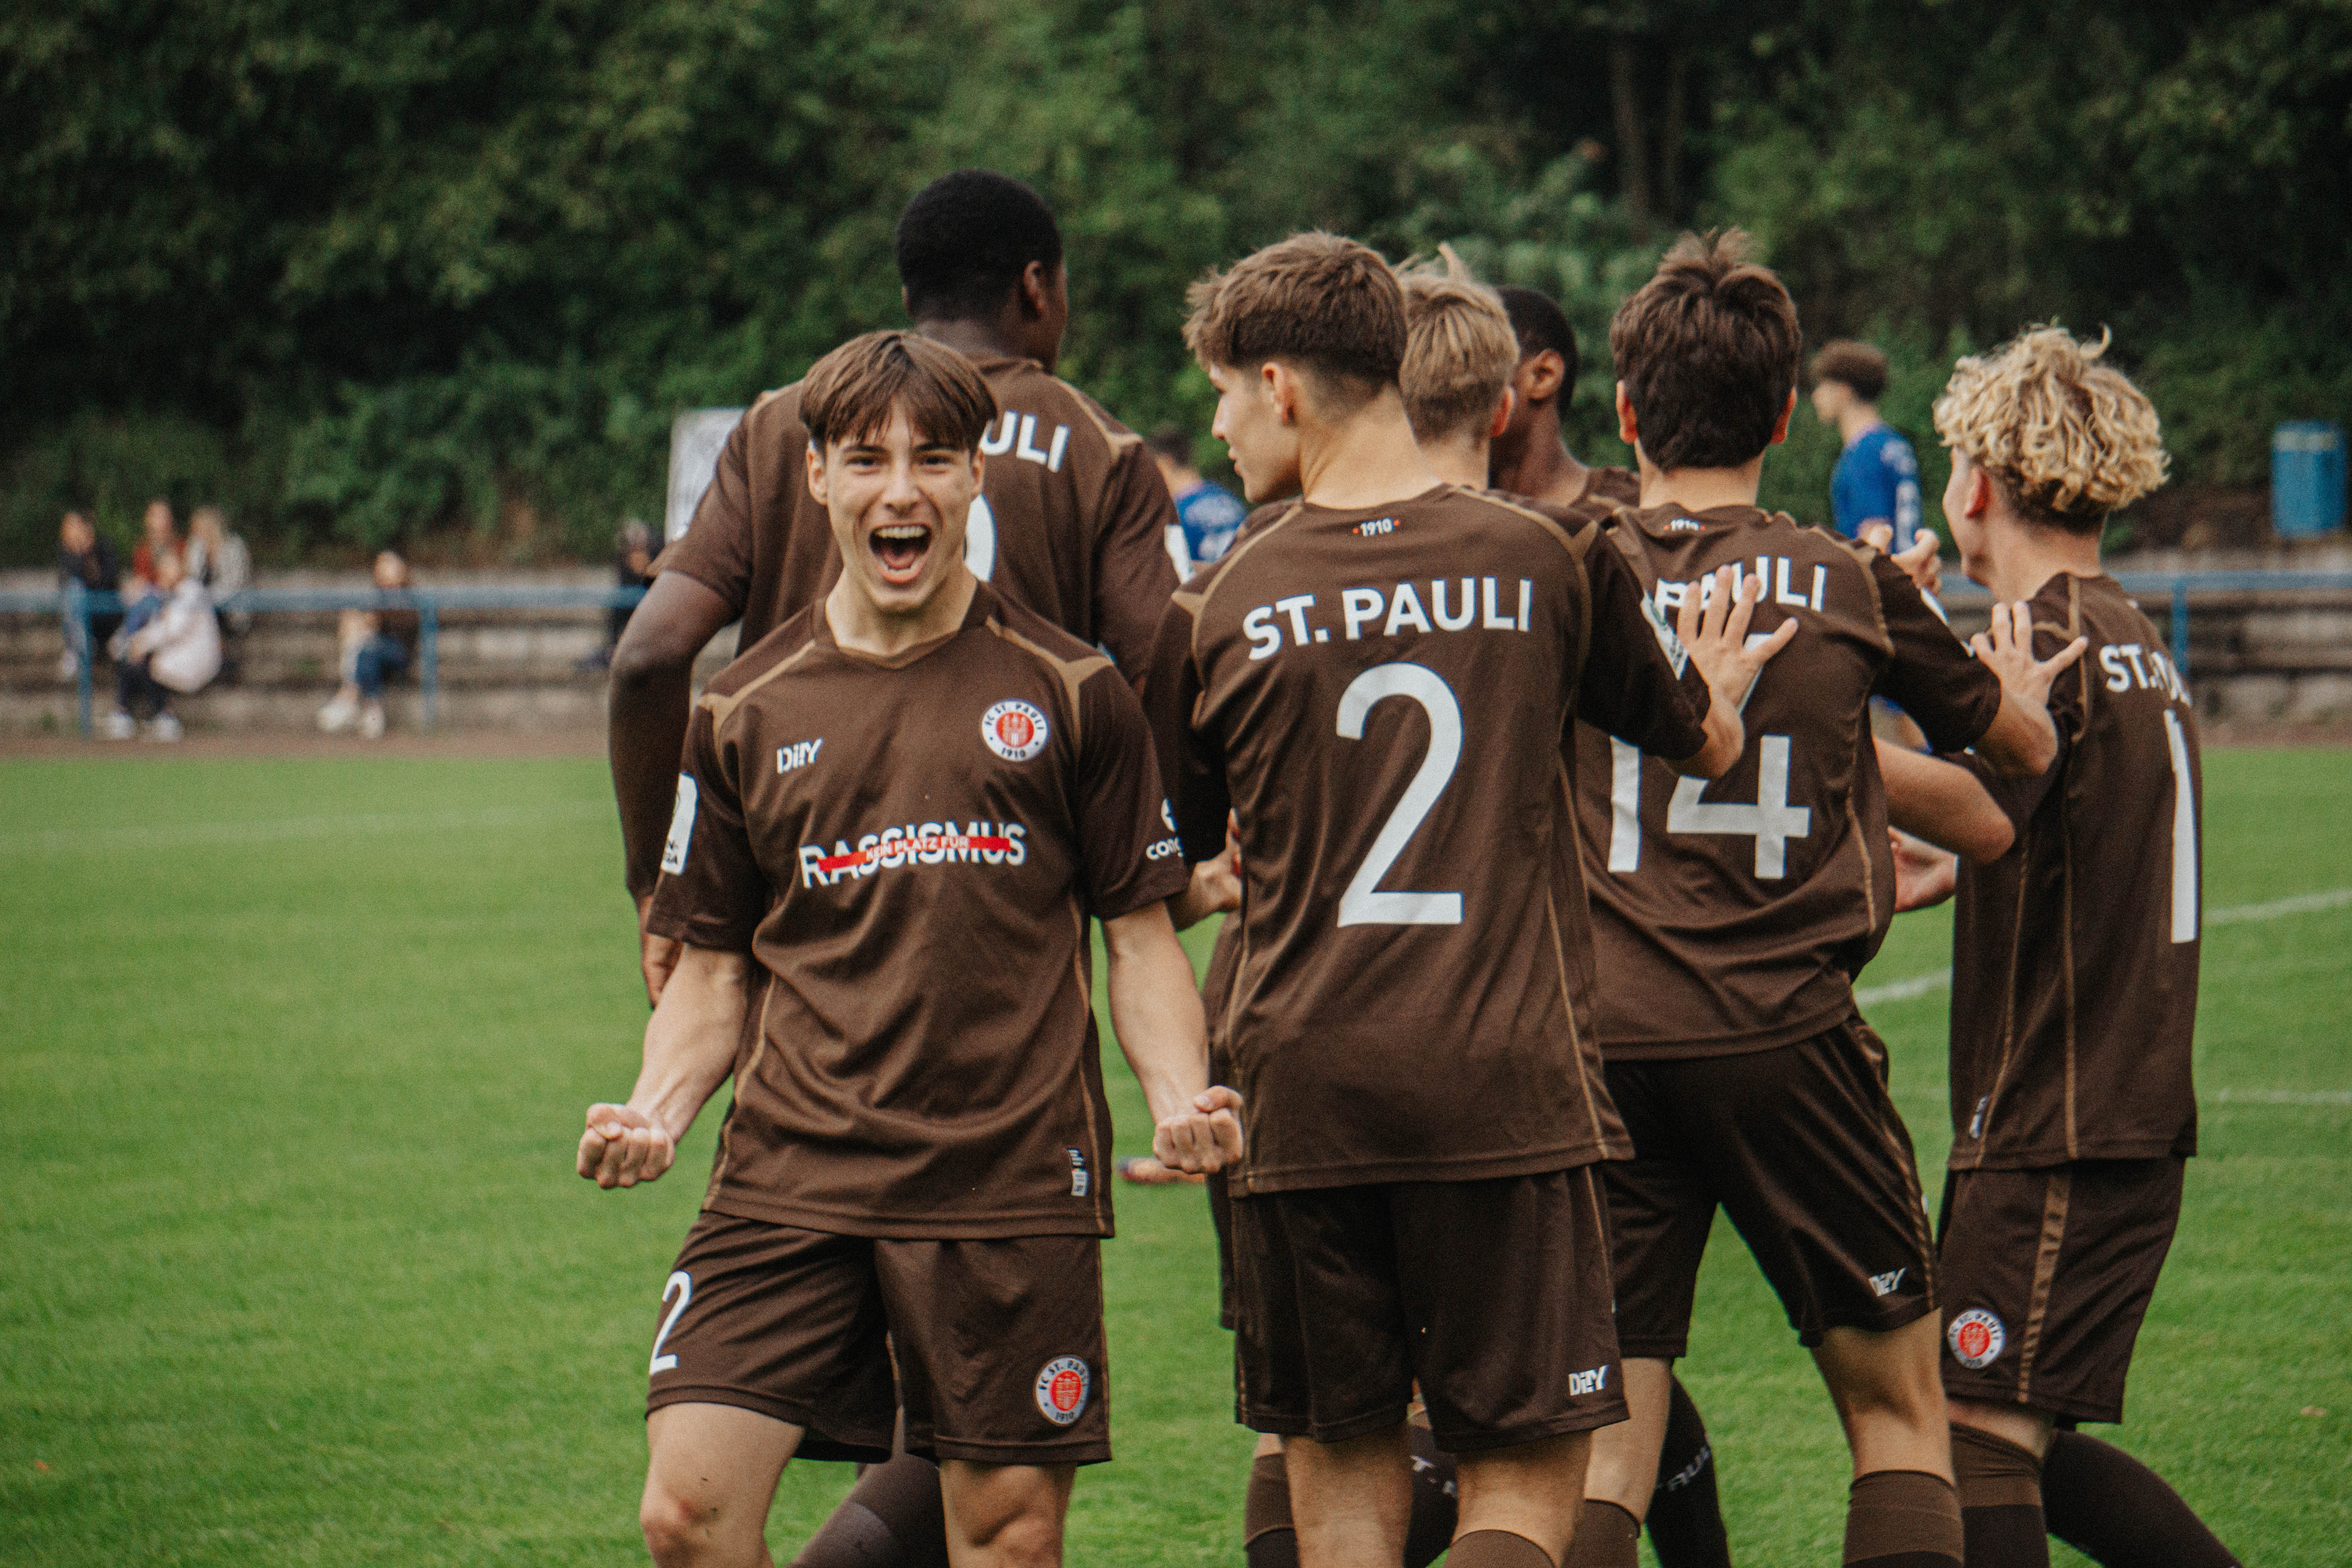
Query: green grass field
x,y
293,1056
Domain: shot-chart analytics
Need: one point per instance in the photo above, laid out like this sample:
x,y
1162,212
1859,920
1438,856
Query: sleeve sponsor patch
x,y
681,826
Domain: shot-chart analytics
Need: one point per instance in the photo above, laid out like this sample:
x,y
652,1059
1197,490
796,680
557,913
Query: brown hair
x,y
850,393
1459,348
1322,303
1707,352
1857,366
2068,438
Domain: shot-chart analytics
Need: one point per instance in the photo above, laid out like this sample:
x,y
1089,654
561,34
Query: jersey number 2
x,y
1771,821
683,1283
1361,905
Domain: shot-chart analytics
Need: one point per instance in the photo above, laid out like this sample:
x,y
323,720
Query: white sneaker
x,y
118,726
372,721
166,727
336,716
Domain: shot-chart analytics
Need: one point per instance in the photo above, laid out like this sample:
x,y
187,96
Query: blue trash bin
x,y
2306,479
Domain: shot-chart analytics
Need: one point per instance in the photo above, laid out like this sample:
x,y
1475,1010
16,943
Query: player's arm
x,y
1215,888
1945,805
1715,637
2022,740
1155,1010
690,1049
1924,875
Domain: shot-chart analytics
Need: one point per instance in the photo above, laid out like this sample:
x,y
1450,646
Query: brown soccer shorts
x,y
2045,1276
1492,1294
1801,1146
997,1343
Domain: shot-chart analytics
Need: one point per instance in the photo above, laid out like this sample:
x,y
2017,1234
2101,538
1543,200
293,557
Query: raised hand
x,y
1716,637
1206,1138
623,1146
2006,648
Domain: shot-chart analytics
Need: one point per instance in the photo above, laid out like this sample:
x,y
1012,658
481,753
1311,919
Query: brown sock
x,y
1269,1535
2000,1501
1606,1537
1436,1507
893,1517
1496,1549
2119,1513
1902,1519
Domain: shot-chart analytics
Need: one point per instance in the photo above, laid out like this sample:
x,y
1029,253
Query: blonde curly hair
x,y
2070,439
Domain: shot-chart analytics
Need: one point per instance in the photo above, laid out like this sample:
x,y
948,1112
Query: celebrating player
x,y
1530,456
1374,683
2074,961
897,811
1071,525
1731,919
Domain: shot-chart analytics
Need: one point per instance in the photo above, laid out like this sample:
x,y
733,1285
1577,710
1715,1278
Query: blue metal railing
x,y
78,604
2177,586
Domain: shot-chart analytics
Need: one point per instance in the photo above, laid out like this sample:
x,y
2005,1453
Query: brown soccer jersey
x,y
1609,488
909,850
2074,955
1731,916
1380,694
1072,522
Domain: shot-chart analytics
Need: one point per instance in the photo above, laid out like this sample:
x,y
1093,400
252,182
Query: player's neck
x,y
1856,420
1542,468
2020,558
985,337
861,625
1367,458
1700,490
1459,459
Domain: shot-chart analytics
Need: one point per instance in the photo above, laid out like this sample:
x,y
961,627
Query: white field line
x,y
2301,904
270,830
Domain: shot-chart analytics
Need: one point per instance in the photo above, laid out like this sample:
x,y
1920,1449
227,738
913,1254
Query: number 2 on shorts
x,y
1360,904
683,1283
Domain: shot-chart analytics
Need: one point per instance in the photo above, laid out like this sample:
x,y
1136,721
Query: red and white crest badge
x,y
1014,730
1062,1390
1976,1337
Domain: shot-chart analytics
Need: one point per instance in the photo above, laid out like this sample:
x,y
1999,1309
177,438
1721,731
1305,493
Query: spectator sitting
x,y
377,644
1208,515
85,558
158,535
633,567
1878,478
176,649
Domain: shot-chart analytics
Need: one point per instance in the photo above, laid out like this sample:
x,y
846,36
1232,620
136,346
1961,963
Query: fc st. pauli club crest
x,y
1014,730
1061,1388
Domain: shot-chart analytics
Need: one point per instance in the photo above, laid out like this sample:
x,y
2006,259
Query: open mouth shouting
x,y
900,551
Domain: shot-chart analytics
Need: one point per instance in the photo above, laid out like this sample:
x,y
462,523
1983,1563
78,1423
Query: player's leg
x,y
1623,1472
1269,1533
2117,1512
1270,1536
1350,1500
1902,1510
893,1517
1685,1517
1437,1497
1003,1379
711,1474
1004,1516
1506,1283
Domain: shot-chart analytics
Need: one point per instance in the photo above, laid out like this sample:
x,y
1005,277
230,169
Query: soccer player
x,y
2074,958
1208,515
1530,456
1072,524
1373,685
1729,919
1876,480
897,812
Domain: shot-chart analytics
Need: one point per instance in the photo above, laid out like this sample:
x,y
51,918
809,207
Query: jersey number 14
x,y
1771,821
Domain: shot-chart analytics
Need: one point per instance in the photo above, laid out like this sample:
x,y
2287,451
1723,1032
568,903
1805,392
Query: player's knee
x,y
1029,1539
678,1532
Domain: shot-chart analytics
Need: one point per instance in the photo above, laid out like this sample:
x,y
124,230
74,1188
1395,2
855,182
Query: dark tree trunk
x,y
1633,149
1670,137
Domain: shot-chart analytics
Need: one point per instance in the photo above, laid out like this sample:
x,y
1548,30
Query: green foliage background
x,y
363,270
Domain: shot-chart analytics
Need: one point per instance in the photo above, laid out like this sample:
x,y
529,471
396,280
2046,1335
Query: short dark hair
x,y
1857,366
1173,442
850,393
1707,353
1539,322
1327,304
965,240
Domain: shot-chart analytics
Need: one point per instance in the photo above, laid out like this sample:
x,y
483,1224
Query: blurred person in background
x,y
1876,480
1208,515
85,558
158,534
218,559
378,643
176,650
633,567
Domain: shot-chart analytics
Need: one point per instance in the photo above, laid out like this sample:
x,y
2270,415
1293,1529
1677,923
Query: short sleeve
x,y
1929,672
1127,849
1192,763
1133,573
1638,682
712,891
716,549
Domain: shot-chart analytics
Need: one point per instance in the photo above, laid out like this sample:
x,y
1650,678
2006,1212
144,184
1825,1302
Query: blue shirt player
x,y
1877,476
1208,515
